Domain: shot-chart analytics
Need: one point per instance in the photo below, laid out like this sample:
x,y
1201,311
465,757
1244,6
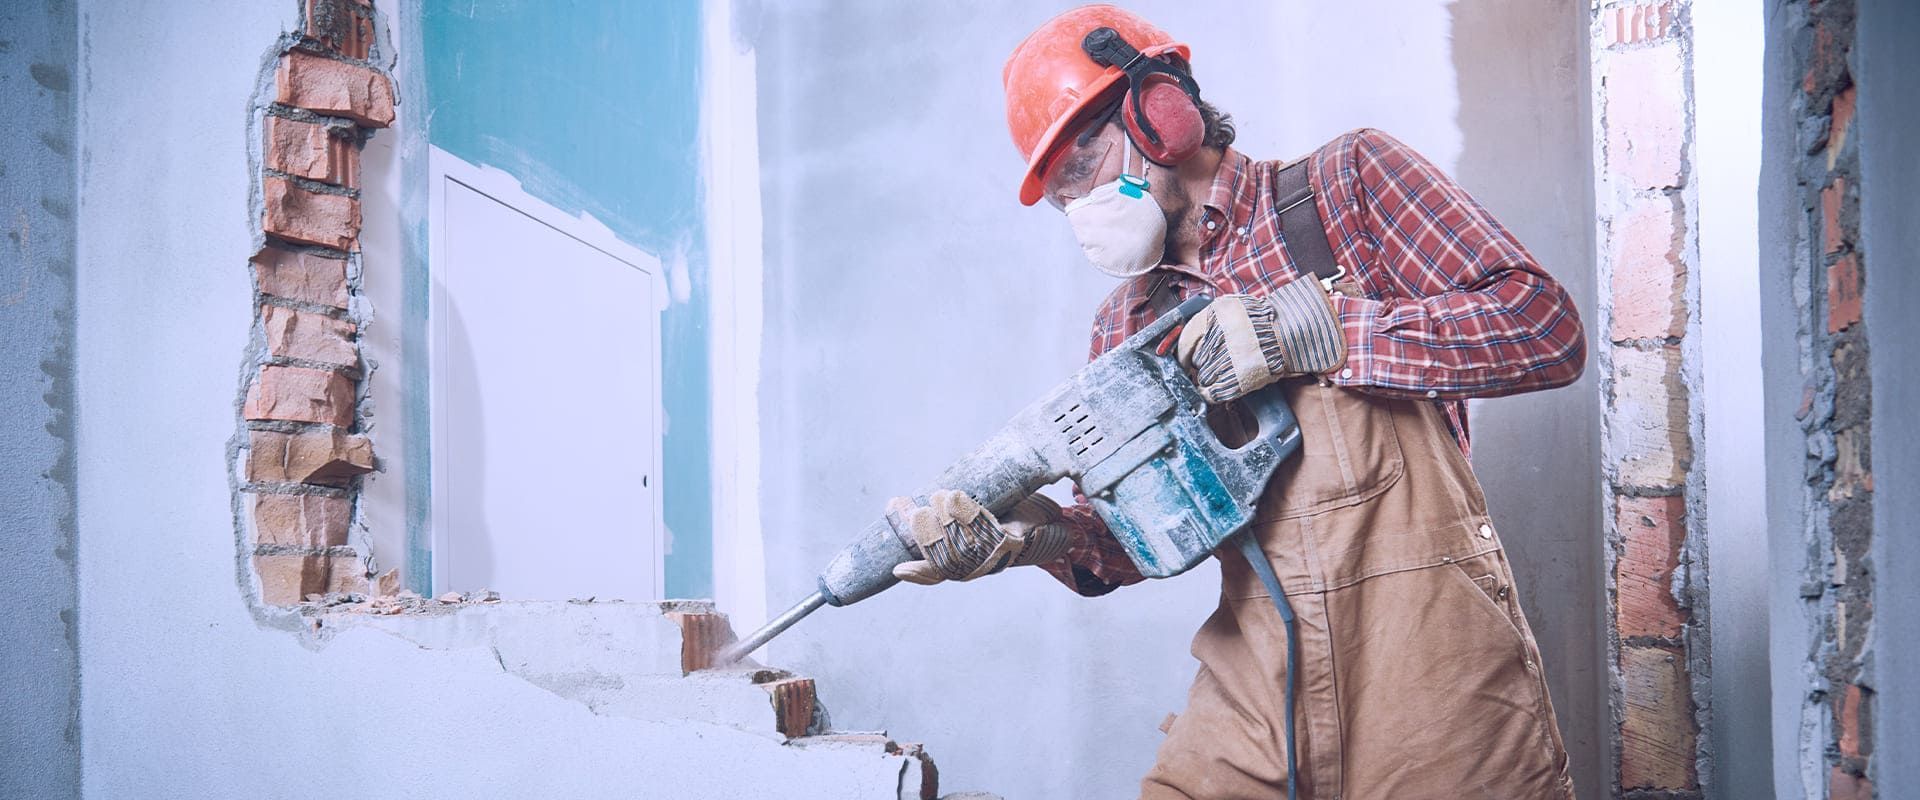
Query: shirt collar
x,y
1231,192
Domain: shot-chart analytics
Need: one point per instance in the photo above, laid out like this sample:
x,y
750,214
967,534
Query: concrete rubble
x,y
648,661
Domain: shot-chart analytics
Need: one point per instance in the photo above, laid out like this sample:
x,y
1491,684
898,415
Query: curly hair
x,y
1219,126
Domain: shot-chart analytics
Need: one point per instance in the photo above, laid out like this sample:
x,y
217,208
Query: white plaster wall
x,y
912,305
184,692
1728,40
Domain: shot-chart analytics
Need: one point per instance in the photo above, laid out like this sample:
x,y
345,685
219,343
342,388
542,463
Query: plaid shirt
x,y
1443,303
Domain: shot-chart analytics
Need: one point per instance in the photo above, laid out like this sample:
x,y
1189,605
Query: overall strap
x,y
1300,224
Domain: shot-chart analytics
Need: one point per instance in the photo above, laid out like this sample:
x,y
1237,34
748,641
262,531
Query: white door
x,y
546,392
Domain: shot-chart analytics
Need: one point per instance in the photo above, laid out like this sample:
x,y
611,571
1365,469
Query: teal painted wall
x,y
595,106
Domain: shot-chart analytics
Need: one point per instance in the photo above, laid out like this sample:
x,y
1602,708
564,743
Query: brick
x,y
793,703
326,86
298,394
1647,439
1652,532
1832,236
1843,293
310,521
1657,739
1851,475
1646,116
1639,24
1850,714
313,151
1842,121
1649,279
300,215
286,579
701,635
339,27
303,276
1844,785
327,457
292,333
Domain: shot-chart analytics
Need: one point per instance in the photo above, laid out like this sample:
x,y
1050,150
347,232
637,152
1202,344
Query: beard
x,y
1183,222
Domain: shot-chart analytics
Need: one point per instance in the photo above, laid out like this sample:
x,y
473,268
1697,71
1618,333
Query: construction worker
x,y
1379,296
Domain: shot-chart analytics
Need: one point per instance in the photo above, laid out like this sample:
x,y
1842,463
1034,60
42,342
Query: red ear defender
x,y
1172,117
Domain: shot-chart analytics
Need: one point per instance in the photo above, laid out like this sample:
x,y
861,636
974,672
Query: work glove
x,y
1239,343
959,540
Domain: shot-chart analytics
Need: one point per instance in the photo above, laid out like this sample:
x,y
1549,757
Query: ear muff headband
x,y
1161,108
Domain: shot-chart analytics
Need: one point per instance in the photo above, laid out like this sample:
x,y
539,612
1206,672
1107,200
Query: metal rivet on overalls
x,y
1486,531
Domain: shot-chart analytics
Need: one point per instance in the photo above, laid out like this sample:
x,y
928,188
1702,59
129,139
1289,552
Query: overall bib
x,y
1419,677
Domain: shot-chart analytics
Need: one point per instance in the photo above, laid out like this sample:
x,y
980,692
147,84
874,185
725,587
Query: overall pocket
x,y
1349,453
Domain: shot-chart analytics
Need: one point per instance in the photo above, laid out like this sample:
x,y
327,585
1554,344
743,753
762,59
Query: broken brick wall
x,y
1647,202
1822,467
303,448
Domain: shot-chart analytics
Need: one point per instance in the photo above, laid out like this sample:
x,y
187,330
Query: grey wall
x,y
1527,152
912,305
39,666
1782,230
1887,67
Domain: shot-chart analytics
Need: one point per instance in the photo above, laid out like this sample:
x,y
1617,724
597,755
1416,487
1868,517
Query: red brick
x,y
701,635
1850,702
1649,279
1843,293
1843,785
328,457
302,276
1832,196
1657,739
1647,431
286,579
326,86
1842,121
301,520
1646,116
313,151
292,333
299,215
1652,531
1636,24
298,394
793,702
336,26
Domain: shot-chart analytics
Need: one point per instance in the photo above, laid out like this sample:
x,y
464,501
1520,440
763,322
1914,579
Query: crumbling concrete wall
x,y
195,688
39,658
1837,185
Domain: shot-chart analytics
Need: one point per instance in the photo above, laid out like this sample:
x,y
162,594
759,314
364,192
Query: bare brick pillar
x,y
301,451
1649,264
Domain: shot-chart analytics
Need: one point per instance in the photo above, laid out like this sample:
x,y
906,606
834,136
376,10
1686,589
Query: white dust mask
x,y
1120,226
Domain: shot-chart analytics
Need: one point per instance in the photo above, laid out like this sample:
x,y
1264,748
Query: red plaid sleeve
x,y
1452,305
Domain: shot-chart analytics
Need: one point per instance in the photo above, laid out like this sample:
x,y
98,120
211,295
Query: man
x,y
1417,676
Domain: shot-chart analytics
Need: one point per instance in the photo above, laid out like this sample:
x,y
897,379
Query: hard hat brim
x,y
1033,187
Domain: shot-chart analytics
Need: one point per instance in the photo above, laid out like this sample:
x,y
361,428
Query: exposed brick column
x,y
303,450
1643,141
1835,411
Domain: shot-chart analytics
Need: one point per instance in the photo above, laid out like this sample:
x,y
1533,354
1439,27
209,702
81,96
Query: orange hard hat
x,y
1051,83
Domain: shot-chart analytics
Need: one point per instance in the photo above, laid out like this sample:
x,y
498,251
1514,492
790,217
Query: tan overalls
x,y
1419,676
